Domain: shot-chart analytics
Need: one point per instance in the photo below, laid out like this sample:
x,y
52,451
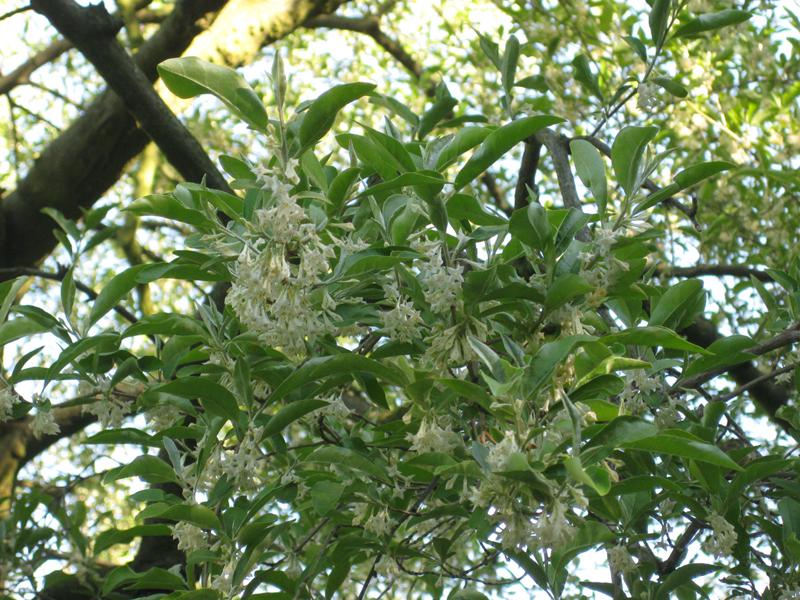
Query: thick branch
x,y
527,172
83,162
766,393
93,31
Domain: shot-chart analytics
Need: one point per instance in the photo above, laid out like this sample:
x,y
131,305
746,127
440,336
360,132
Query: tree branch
x,y
765,393
93,31
715,270
369,25
527,172
23,72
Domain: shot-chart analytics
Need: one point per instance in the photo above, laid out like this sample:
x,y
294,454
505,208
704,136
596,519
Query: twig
x,y
23,72
59,276
16,11
715,270
57,94
423,495
786,338
679,550
33,114
753,382
369,25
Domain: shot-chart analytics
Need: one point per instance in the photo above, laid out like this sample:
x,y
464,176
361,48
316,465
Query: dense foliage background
x,y
443,299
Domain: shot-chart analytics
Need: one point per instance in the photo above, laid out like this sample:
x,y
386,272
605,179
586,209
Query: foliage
x,y
409,388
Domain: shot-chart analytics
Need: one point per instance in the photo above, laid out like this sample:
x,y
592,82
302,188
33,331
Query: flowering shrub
x,y
406,390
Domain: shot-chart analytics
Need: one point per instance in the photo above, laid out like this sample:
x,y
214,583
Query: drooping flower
x,y
723,536
432,438
620,560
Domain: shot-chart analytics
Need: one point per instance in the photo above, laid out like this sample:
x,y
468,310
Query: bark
x,y
93,31
84,161
77,168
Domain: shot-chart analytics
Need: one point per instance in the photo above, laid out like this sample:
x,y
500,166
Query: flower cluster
x,y
7,401
432,438
278,271
723,536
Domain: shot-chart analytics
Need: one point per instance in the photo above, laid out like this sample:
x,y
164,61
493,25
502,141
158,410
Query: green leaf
x,y
673,304
123,436
114,292
595,477
622,430
215,398
651,337
697,173
21,327
290,413
149,468
672,86
167,206
442,106
565,288
110,537
712,21
508,69
584,75
345,457
344,363
189,76
8,295
158,579
683,180
498,143
626,155
401,181
658,20
685,445
681,576
464,140
321,114
546,359
591,170
325,496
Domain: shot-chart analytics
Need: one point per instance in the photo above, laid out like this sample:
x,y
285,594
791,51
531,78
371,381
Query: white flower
x,y
620,560
242,466
442,284
189,537
402,322
723,537
553,530
380,523
501,452
648,96
44,423
109,410
7,401
432,438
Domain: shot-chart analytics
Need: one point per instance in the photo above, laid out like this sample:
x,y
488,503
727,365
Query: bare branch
x,y
715,270
369,25
22,73
15,11
59,276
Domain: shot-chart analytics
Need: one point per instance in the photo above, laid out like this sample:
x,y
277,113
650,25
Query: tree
x,y
429,334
